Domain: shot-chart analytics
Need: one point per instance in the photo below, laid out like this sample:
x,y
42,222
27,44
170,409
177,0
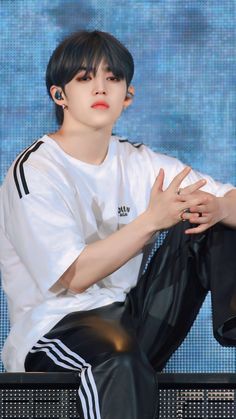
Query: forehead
x,y
102,66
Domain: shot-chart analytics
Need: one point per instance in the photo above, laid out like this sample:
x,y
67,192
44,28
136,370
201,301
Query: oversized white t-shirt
x,y
53,205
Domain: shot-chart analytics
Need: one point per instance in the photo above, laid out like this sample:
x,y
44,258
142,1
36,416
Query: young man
x,y
78,209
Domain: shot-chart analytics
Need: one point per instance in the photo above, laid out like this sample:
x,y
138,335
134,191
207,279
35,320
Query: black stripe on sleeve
x,y
22,156
134,144
15,170
21,168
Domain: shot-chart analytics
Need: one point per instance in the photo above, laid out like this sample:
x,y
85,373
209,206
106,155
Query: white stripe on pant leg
x,y
48,351
84,385
81,396
86,368
55,360
83,404
85,364
66,349
59,353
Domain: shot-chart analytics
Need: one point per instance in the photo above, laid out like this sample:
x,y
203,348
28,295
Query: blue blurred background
x,y
185,78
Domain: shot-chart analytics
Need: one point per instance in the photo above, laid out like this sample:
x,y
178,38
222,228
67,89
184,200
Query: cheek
x,y
75,93
118,108
118,99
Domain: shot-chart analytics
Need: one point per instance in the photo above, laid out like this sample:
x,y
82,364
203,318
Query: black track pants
x,y
118,348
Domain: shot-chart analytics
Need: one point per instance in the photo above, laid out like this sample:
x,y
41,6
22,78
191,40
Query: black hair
x,y
87,49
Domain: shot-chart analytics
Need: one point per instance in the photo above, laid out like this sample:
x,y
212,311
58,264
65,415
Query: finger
x,y
190,217
176,182
193,187
193,201
200,219
158,184
198,208
199,229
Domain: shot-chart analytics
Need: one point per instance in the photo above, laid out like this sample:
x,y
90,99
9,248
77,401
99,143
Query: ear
x,y
129,97
53,90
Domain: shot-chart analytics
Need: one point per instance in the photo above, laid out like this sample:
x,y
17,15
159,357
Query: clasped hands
x,y
175,204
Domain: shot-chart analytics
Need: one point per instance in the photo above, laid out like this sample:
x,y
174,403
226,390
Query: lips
x,y
101,104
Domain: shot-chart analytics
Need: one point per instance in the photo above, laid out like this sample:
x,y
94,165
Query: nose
x,y
99,87
100,92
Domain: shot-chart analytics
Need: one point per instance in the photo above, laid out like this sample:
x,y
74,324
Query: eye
x,y
84,78
113,78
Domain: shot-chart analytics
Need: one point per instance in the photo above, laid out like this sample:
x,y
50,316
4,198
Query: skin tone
x,y
85,135
204,208
86,130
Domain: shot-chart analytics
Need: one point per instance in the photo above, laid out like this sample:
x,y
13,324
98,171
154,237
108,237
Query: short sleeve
x,y
45,233
173,166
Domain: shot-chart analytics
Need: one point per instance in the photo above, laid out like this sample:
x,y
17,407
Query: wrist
x,y
223,207
149,224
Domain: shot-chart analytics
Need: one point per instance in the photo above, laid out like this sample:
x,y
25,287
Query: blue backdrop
x,y
184,105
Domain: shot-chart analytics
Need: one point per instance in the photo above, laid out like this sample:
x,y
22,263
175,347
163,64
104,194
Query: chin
x,y
103,124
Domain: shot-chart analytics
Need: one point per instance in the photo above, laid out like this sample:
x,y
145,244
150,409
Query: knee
x,y
127,361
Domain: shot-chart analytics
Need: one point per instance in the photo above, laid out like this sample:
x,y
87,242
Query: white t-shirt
x,y
53,205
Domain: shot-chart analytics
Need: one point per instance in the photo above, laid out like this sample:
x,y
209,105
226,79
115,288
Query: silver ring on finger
x,y
182,213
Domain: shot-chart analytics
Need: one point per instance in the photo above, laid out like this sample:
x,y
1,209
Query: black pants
x,y
118,348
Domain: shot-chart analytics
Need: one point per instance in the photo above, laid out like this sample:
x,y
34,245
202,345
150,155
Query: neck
x,y
83,144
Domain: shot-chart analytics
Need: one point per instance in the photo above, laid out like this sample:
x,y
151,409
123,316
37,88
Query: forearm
x,y
103,257
229,208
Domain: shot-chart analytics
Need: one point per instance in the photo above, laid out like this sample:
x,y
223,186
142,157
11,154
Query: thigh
x,y
93,335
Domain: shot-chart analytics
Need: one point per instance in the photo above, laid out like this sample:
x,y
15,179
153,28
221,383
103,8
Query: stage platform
x,y
55,396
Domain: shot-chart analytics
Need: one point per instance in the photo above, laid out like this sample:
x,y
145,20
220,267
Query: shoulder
x,y
127,149
34,170
141,159
127,146
126,143
17,173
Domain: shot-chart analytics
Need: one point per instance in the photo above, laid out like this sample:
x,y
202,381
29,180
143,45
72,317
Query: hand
x,y
166,207
209,210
